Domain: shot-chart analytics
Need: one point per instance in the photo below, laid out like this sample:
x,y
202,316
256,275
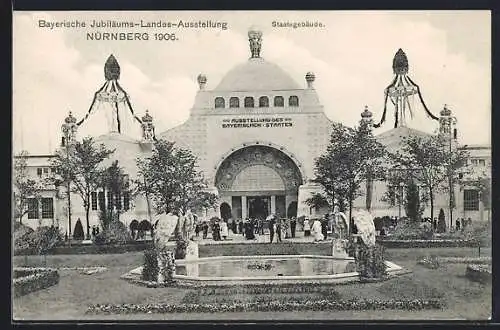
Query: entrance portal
x,y
257,181
259,207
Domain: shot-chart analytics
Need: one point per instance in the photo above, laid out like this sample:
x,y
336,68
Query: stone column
x,y
244,208
273,204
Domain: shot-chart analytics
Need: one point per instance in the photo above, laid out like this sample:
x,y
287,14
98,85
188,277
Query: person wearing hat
x,y
307,227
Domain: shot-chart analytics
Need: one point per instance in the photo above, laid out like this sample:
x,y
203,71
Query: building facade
x,y
256,135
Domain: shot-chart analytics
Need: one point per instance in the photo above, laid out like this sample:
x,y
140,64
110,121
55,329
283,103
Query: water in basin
x,y
298,266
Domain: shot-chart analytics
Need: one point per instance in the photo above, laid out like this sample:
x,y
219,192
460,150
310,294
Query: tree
x,y
441,225
24,186
425,158
353,156
412,203
170,177
79,164
455,162
318,201
115,182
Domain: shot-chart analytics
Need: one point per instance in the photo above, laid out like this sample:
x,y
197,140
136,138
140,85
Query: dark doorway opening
x,y
259,207
292,210
225,211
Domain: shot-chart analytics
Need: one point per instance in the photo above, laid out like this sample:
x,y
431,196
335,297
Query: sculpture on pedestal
x,y
165,227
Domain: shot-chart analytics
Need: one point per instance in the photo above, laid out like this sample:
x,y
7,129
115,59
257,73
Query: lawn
x,y
76,291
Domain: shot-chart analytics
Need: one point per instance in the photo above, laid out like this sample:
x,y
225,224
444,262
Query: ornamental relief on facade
x,y
258,155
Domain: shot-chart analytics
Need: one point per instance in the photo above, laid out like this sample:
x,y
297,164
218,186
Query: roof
x,y
393,138
256,74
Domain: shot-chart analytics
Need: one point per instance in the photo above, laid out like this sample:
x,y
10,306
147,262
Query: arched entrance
x,y
225,211
258,180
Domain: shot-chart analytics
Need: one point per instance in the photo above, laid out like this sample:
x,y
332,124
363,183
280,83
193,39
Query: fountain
x,y
264,269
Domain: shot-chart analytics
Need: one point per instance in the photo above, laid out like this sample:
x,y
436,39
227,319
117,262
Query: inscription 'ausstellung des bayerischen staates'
x,y
199,24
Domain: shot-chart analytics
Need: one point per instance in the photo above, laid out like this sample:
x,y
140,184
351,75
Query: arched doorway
x,y
258,180
225,211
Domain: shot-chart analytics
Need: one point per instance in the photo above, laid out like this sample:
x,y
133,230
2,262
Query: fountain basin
x,y
270,269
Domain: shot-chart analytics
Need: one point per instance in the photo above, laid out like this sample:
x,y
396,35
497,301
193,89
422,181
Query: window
x,y
263,102
219,102
102,202
93,196
32,208
118,201
234,102
248,102
126,201
110,200
46,170
53,170
482,162
293,101
47,208
279,101
471,200
39,171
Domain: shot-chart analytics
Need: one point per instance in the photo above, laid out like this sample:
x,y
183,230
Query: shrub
x,y
441,225
22,236
116,233
370,261
411,230
150,269
42,239
479,273
35,279
78,233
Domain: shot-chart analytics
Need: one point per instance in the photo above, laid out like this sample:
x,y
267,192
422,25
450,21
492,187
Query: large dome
x,y
256,74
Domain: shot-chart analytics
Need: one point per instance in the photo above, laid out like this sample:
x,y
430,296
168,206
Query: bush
x,y
116,233
479,273
150,269
35,279
78,233
441,225
22,236
41,240
410,230
370,262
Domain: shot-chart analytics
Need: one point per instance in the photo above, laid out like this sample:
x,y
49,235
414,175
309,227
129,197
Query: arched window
x,y
219,102
293,101
264,102
279,101
234,102
248,102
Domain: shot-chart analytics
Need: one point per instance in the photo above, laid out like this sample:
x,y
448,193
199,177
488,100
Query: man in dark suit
x,y
293,226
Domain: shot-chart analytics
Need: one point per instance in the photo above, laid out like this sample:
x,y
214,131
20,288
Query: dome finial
x,y
400,63
255,39
310,77
111,68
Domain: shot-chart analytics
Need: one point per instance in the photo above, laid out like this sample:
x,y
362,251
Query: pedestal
x,y
339,248
192,253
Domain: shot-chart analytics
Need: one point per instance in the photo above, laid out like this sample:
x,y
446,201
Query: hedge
x,y
272,306
27,280
92,249
422,243
479,273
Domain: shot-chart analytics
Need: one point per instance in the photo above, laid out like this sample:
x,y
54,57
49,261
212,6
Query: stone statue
x,y
165,227
366,228
255,39
341,225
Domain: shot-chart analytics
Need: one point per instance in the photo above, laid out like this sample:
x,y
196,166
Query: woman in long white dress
x,y
224,232
316,231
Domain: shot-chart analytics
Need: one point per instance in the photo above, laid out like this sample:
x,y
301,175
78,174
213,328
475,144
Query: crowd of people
x,y
278,228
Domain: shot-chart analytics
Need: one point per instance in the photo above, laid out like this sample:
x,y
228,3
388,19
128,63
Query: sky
x,y
57,70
